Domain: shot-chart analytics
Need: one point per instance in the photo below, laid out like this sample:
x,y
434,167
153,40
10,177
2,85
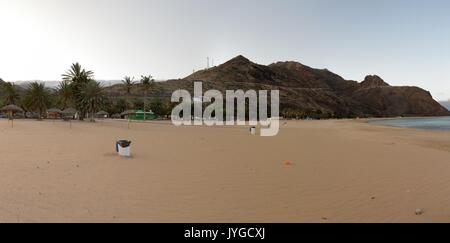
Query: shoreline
x,y
383,122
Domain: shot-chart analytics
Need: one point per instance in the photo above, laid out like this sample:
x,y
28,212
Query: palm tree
x,y
64,92
37,98
128,84
147,83
77,77
92,97
11,93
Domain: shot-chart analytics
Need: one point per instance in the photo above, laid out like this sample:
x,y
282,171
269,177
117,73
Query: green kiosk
x,y
140,115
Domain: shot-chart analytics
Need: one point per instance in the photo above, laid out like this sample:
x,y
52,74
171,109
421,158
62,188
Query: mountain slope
x,y
305,90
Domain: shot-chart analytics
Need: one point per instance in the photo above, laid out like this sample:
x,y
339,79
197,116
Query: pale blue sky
x,y
407,42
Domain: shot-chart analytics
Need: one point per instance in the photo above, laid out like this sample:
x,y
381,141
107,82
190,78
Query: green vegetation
x,y
64,95
91,98
147,83
307,114
37,98
81,91
11,95
77,78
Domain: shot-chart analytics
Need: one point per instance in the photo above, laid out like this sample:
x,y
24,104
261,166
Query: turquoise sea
x,y
429,123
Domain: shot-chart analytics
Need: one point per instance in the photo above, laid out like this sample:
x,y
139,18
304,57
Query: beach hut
x,y
11,110
102,114
54,113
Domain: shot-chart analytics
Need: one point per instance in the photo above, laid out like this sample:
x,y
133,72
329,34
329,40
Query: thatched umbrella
x,y
127,114
53,111
69,112
102,114
11,109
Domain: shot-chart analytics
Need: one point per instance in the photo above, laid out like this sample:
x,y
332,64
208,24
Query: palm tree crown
x,y
11,93
64,92
77,77
128,84
37,98
147,83
92,97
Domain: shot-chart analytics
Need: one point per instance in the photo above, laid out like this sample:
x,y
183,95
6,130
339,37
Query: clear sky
x,y
407,42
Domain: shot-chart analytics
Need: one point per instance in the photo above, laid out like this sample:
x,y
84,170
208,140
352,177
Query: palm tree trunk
x,y
145,106
128,100
92,113
11,115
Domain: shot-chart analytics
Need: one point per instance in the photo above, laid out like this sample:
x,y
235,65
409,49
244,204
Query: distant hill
x,y
48,84
305,89
54,84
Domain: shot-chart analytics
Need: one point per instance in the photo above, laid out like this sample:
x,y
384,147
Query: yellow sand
x,y
314,171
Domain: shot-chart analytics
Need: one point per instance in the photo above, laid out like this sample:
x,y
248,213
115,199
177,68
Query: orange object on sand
x,y
288,163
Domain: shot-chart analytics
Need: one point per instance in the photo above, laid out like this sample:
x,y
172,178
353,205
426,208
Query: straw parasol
x,y
11,109
54,113
102,114
69,112
128,113
54,110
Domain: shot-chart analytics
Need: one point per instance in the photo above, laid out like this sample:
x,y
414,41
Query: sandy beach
x,y
314,171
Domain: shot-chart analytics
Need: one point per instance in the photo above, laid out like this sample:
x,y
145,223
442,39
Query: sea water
x,y
429,123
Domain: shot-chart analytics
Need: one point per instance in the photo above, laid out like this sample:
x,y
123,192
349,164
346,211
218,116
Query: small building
x,y
142,116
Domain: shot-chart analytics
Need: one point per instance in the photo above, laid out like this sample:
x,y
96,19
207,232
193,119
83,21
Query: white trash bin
x,y
123,147
125,152
253,130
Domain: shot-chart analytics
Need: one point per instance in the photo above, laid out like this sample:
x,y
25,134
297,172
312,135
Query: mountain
x,y
306,90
